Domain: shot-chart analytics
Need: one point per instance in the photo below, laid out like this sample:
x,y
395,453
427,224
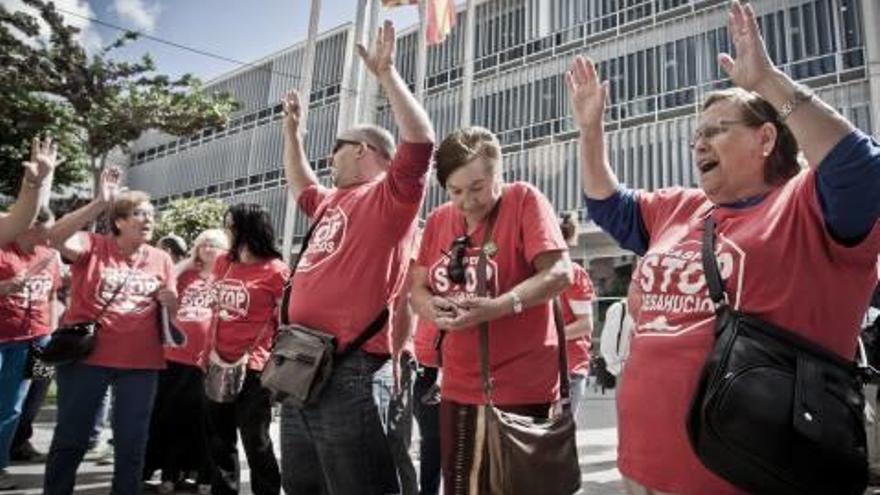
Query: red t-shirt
x,y
778,261
577,302
194,312
247,298
523,357
129,333
25,314
423,342
351,268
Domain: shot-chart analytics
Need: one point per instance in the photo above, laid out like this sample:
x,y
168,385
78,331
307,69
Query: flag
x,y
441,17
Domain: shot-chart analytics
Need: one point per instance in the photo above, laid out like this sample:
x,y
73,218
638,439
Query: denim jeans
x,y
36,394
81,388
578,389
13,389
426,409
337,446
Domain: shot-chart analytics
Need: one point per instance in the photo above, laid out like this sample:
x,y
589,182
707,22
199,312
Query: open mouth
x,y
707,165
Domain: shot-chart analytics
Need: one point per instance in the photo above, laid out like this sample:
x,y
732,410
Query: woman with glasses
x,y
248,283
795,247
118,280
178,431
527,265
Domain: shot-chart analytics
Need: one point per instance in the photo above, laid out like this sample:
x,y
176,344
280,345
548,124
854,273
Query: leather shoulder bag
x,y
303,358
76,341
528,455
774,413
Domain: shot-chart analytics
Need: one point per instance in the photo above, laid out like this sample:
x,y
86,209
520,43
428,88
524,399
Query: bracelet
x,y
800,95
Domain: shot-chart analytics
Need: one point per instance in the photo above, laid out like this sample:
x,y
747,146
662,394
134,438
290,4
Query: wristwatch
x,y
517,302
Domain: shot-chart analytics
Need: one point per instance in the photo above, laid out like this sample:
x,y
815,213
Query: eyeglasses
x,y
455,268
342,142
142,213
708,132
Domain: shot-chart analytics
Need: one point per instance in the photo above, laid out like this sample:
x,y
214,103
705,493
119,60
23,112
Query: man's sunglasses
x,y
455,268
342,142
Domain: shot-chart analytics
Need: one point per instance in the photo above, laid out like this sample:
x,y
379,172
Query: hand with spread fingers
x,y
752,64
587,95
43,160
109,185
380,58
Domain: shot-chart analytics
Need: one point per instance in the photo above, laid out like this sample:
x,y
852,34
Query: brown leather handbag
x,y
528,455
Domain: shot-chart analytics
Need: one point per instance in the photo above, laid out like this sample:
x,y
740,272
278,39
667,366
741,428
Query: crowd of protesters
x,y
443,323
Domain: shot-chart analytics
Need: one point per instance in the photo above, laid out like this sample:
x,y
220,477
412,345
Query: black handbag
x,y
773,412
76,341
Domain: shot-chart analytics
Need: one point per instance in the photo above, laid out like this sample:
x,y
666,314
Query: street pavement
x,y
596,439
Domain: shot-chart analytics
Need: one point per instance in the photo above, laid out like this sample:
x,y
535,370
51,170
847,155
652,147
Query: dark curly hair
x,y
251,227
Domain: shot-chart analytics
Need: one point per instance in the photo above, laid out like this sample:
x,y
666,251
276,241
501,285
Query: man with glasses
x,y
346,277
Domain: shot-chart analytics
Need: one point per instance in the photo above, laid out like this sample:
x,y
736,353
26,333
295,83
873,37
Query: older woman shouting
x,y
795,248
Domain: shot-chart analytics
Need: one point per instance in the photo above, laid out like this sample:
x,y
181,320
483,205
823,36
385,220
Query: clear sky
x,y
244,30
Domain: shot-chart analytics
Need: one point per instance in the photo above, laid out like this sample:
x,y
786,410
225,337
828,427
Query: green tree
x,y
189,217
103,103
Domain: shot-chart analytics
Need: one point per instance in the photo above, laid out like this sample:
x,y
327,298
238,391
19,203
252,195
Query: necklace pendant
x,y
491,249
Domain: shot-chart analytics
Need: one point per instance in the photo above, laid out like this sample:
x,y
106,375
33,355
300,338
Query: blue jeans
x,y
396,413
337,446
13,389
81,388
578,389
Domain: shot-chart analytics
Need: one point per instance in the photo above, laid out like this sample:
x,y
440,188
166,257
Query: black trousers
x,y
178,440
426,409
250,414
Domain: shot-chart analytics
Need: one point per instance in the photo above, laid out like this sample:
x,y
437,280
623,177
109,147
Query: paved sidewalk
x,y
597,447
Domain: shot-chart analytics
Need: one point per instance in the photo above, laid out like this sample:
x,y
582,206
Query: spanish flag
x,y
441,17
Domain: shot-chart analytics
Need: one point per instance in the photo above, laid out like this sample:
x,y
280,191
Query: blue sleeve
x,y
848,185
620,217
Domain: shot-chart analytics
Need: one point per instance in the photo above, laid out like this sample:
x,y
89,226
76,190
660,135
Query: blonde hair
x,y
216,237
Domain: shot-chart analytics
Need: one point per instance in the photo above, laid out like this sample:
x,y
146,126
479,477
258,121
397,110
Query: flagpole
x,y
305,89
467,84
422,54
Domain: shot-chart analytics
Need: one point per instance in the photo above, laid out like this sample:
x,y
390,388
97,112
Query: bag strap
x,y
294,262
710,265
372,329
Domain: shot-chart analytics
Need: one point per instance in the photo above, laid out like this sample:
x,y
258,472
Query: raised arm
x,y
64,234
296,164
412,120
815,124
587,96
35,187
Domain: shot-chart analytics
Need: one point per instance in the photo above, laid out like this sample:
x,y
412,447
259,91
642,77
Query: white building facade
x,y
659,56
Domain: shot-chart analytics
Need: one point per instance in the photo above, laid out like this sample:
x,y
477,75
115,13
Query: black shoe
x,y
27,453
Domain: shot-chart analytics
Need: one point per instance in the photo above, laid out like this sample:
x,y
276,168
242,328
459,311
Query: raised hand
x,y
586,94
109,185
292,111
380,58
752,64
43,160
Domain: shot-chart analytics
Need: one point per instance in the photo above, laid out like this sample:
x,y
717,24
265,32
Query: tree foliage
x,y
103,103
190,217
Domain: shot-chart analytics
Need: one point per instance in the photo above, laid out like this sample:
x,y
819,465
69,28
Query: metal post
x,y
467,84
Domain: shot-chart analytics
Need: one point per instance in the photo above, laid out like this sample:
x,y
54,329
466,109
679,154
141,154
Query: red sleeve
x,y
406,178
311,197
539,229
282,274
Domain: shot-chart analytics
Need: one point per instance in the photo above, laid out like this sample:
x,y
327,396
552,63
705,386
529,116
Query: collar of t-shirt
x,y
746,202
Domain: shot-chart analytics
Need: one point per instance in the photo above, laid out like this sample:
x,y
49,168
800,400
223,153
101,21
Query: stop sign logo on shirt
x,y
136,296
675,296
443,286
195,302
233,299
326,240
35,289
